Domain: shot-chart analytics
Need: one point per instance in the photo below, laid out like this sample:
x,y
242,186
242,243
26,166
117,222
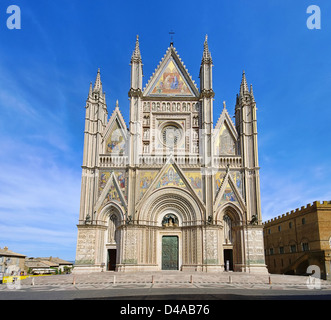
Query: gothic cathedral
x,y
171,191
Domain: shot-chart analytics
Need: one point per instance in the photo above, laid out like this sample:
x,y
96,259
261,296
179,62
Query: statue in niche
x,y
227,229
112,229
170,220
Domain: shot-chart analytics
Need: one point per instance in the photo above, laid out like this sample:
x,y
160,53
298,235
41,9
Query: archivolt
x,y
232,210
109,209
170,198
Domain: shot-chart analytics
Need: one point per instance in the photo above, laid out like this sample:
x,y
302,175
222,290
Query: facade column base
x,y
257,269
79,269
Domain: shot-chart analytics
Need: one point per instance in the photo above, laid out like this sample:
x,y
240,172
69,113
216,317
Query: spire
x,y
136,53
206,53
243,85
98,83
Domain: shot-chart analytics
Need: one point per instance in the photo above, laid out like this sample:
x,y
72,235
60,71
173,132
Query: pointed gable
x,y
115,135
111,189
225,135
171,79
170,178
230,189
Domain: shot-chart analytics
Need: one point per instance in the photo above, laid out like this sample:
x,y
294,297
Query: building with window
x,y
172,189
299,239
11,263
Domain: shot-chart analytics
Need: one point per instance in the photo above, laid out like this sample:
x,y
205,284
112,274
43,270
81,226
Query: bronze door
x,y
169,253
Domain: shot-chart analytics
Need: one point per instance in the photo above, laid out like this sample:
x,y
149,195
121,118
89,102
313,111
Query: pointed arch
x,y
235,213
111,208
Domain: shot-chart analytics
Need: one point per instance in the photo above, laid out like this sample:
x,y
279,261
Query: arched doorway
x,y
111,219
112,241
174,215
227,243
230,216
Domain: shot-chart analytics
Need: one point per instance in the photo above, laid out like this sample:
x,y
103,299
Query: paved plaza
x,y
166,285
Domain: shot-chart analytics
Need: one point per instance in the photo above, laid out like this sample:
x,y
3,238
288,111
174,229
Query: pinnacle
x,y
243,85
98,83
206,53
136,53
251,92
91,90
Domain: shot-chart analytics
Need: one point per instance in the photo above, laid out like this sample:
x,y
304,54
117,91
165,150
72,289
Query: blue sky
x,y
46,68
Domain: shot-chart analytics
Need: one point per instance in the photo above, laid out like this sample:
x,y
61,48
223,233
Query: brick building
x,y
299,239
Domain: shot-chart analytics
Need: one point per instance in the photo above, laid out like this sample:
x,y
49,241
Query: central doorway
x,y
170,253
111,265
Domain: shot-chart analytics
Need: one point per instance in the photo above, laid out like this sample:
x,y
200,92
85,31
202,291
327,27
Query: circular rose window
x,y
171,135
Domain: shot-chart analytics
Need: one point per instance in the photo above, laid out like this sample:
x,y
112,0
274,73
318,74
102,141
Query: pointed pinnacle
x,y
243,85
206,53
136,53
251,92
90,90
98,84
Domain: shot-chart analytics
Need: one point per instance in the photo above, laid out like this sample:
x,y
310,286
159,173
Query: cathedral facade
x,y
173,190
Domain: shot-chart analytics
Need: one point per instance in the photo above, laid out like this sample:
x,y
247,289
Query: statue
x,y
254,220
129,220
170,220
88,219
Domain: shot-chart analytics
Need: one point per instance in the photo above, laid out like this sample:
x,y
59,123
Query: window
x,y
171,136
303,220
293,248
281,250
271,251
279,228
290,225
305,246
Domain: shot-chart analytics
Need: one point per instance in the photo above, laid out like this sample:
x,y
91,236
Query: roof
x,y
36,264
9,253
55,260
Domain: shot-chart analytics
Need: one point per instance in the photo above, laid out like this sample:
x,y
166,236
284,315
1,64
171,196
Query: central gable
x,y
171,79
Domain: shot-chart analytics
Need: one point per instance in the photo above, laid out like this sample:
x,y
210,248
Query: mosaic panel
x,y
116,142
171,82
